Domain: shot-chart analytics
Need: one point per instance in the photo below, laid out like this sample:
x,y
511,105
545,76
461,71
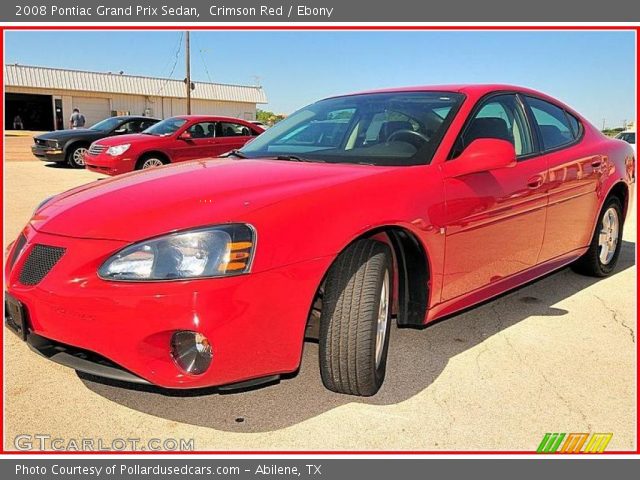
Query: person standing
x,y
17,123
77,120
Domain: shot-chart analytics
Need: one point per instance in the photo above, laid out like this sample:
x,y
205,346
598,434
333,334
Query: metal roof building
x,y
45,97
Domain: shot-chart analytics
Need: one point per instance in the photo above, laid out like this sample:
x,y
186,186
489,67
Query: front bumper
x,y
255,323
107,164
47,153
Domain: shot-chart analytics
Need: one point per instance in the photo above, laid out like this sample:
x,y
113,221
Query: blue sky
x,y
592,71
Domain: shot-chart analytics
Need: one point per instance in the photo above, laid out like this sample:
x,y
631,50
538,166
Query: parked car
x,y
410,203
176,139
628,136
71,145
262,125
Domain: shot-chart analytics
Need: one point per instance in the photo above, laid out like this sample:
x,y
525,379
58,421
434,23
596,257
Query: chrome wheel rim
x,y
383,318
152,162
608,238
78,155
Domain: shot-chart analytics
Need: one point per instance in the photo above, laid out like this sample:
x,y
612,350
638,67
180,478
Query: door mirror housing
x,y
482,155
185,136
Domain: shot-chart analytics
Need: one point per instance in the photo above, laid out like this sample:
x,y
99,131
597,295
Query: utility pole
x,y
188,81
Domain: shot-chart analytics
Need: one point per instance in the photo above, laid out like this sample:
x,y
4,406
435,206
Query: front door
x,y
196,144
495,220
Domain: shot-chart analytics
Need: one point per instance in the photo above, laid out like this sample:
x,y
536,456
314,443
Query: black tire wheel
x,y
601,258
151,161
355,319
75,156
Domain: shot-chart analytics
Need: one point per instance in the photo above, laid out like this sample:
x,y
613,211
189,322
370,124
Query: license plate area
x,y
15,316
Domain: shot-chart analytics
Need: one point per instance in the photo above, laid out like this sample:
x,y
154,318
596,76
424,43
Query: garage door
x,y
93,109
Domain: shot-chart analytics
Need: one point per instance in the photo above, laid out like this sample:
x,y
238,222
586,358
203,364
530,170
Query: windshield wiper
x,y
295,158
236,153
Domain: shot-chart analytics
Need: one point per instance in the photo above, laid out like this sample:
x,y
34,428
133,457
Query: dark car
x,y
71,145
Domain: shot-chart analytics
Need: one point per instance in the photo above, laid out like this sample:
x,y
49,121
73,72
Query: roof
x,y
471,88
56,78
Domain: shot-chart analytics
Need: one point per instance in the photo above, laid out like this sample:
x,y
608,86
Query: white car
x,y
628,136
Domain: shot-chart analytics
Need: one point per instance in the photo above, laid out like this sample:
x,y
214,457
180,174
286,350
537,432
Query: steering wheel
x,y
411,133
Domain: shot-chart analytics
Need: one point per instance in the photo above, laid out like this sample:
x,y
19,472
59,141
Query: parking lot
x,y
558,355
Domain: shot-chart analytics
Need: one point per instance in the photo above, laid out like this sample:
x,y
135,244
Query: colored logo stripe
x,y
550,443
574,443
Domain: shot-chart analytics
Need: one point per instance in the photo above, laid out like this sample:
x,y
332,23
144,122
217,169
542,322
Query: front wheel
x,y
75,157
150,161
355,319
601,258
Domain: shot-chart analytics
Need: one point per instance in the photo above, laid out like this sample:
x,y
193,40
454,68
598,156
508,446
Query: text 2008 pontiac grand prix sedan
x,y
409,203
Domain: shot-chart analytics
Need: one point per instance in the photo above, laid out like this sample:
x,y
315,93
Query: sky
x,y
594,72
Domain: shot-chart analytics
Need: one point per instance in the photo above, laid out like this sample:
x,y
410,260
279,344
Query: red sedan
x,y
176,139
407,204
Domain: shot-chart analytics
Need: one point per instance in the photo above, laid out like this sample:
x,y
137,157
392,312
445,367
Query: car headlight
x,y
200,253
118,149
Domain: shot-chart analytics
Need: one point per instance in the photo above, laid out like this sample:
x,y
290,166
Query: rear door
x,y
574,174
229,136
494,219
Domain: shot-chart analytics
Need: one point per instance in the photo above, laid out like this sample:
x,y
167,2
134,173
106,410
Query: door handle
x,y
535,182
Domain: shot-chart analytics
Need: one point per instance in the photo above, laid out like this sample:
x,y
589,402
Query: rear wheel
x,y
75,156
601,258
355,319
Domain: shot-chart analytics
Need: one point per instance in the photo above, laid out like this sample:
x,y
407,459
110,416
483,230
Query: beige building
x,y
44,98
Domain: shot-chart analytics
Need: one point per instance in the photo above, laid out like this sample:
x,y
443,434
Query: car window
x,y
202,130
576,126
146,124
132,126
629,137
229,129
501,117
553,123
395,128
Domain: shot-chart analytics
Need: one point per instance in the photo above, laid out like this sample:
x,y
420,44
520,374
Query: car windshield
x,y
106,125
398,128
165,127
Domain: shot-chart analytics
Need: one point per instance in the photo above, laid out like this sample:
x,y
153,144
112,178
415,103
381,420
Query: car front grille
x,y
95,149
40,261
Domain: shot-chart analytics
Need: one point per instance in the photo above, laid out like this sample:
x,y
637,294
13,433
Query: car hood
x,y
65,134
144,204
137,138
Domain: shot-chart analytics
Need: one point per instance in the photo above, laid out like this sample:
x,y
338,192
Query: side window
x,y
146,124
202,130
552,122
500,117
228,129
576,126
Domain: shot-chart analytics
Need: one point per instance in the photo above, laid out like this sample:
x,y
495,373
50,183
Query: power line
x,y
204,63
173,68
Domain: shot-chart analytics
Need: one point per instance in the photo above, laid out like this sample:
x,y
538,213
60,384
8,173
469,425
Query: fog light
x,y
191,351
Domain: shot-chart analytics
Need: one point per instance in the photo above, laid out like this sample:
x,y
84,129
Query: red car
x,y
410,204
176,139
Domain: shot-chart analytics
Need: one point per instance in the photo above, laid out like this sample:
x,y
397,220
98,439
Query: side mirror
x,y
185,136
482,155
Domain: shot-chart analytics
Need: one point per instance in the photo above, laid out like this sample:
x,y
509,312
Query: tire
x,y
595,262
356,302
151,161
75,156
